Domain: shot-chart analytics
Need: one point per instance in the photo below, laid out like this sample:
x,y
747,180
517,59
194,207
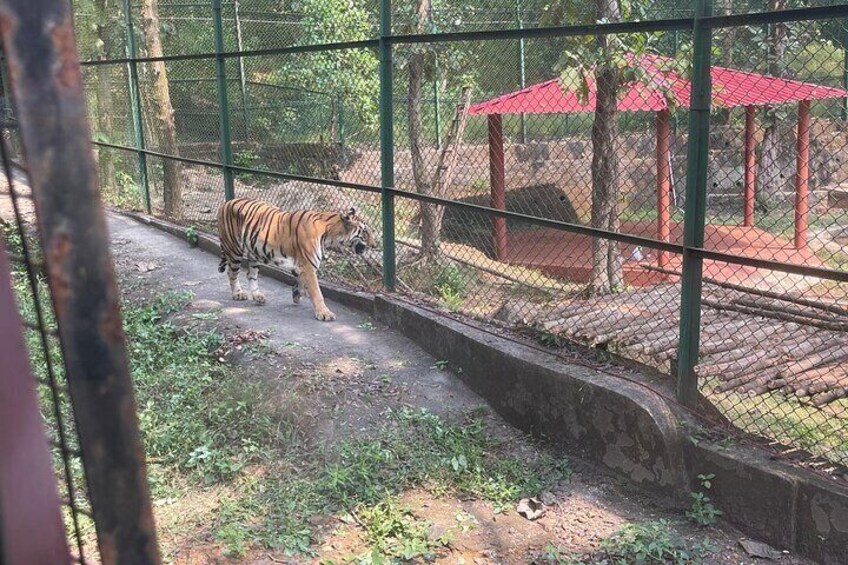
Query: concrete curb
x,y
619,424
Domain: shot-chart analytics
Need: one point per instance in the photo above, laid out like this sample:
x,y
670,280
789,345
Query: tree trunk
x,y
105,125
607,275
164,111
768,176
430,217
431,220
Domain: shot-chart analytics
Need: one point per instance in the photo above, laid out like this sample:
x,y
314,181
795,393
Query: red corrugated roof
x,y
730,88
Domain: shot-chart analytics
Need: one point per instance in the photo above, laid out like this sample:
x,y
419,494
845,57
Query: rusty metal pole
x,y
750,166
663,183
47,84
31,529
802,175
498,183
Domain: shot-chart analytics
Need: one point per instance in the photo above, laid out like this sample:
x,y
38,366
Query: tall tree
x,y
104,28
164,111
422,177
433,179
607,275
768,177
607,63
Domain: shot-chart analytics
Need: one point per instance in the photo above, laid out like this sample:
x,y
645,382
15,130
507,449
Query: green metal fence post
x,y
223,101
135,106
387,149
522,75
695,212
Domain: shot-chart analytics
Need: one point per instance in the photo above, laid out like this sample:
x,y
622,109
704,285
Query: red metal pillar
x,y
802,175
497,179
663,183
750,166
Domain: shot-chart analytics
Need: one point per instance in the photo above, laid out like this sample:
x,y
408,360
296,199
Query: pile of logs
x,y
752,341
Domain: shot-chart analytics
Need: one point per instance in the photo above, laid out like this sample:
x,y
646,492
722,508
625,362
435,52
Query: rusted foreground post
x,y
38,38
802,175
31,530
497,179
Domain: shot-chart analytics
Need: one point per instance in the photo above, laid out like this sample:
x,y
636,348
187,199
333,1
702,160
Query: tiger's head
x,y
357,235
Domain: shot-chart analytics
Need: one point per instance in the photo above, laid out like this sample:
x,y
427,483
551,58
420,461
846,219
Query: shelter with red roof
x,y
663,89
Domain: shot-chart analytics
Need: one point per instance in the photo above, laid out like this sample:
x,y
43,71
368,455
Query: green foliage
x,y
651,543
702,511
551,339
412,448
418,447
555,556
194,417
450,286
393,533
350,73
191,236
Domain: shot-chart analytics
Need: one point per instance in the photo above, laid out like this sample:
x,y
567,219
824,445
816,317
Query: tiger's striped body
x,y
257,233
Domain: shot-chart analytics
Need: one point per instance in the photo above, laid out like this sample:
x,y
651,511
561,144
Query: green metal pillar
x,y
522,76
223,101
387,148
695,212
135,106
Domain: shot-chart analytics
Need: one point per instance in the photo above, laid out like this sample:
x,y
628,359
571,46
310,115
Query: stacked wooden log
x,y
752,341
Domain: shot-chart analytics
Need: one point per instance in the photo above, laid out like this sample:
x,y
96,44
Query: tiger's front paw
x,y
259,298
324,315
239,295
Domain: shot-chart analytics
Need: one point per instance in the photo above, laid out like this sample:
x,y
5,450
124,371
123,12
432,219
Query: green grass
x,y
652,543
207,428
777,416
644,543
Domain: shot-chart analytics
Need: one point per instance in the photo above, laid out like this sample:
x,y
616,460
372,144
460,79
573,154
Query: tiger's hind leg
x,y
253,283
298,288
233,268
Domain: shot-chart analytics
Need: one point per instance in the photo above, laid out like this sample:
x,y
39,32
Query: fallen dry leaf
x,y
759,549
530,508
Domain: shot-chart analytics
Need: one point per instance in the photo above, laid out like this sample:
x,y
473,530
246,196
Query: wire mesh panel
x,y
647,180
774,350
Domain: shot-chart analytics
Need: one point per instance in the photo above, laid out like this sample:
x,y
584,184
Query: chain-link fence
x,y
667,184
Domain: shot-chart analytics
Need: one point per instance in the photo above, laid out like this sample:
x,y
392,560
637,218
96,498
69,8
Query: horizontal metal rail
x,y
546,32
790,268
780,16
314,48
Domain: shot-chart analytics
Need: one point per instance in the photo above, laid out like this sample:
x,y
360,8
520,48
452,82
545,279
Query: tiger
x,y
256,232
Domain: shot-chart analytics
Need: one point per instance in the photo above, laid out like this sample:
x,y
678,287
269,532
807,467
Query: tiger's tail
x,y
222,266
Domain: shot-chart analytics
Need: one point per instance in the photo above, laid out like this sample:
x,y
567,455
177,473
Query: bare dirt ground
x,y
356,371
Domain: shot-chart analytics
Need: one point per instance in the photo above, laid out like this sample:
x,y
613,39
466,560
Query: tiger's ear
x,y
348,215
